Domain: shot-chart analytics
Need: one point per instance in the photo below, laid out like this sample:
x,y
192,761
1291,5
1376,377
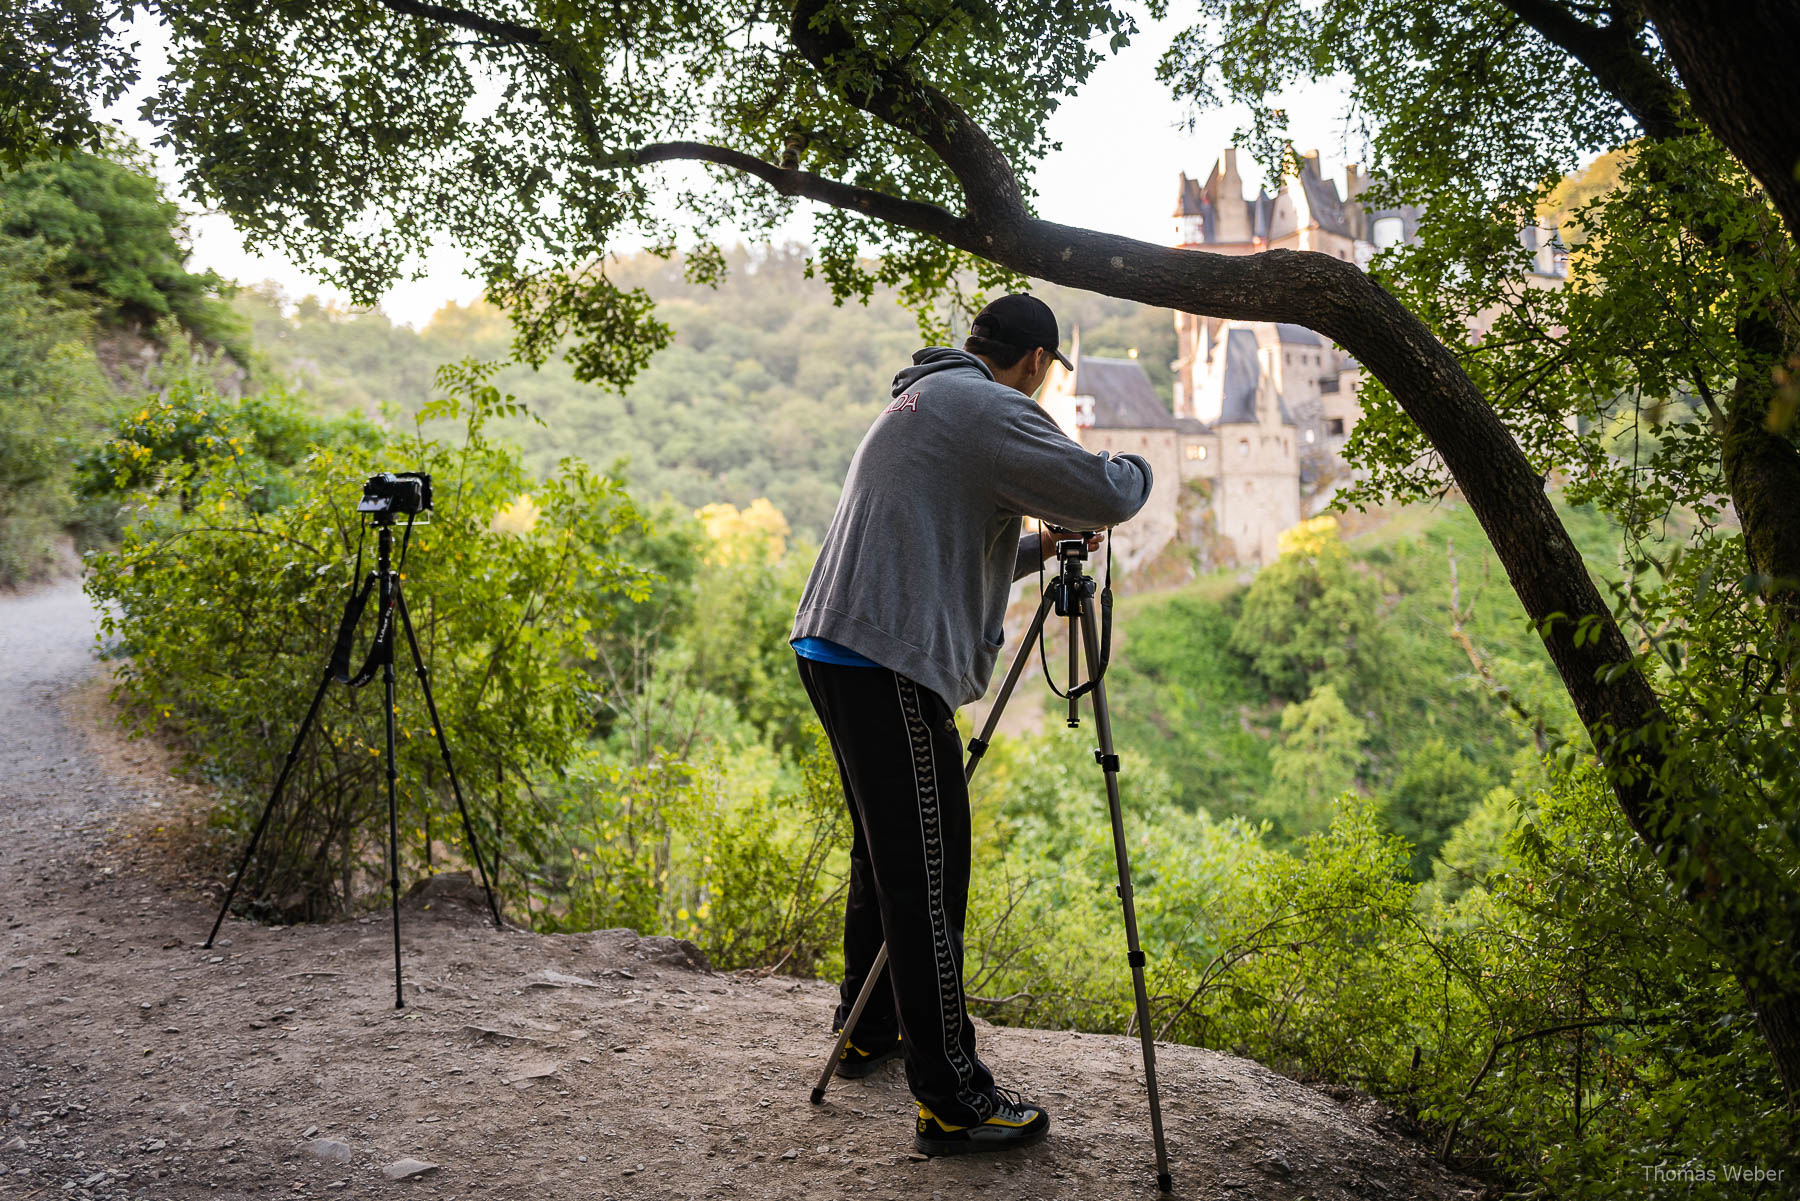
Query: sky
x,y
1123,143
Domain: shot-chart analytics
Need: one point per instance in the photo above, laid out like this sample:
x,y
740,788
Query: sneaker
x,y
1015,1122
857,1062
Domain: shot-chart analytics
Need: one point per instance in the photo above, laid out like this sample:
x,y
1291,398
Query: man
x,y
899,625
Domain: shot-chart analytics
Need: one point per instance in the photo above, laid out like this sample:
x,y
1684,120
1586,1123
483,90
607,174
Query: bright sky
x,y
1122,148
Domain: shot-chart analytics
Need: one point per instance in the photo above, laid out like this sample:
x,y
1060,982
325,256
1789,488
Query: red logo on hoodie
x,y
908,401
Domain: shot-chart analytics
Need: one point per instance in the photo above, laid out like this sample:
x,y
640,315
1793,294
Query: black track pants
x,y
900,759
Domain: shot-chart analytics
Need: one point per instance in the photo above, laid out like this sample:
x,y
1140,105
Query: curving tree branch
x,y
909,214
1614,53
900,99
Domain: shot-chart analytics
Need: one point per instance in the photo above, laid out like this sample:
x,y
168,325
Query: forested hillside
x,y
763,393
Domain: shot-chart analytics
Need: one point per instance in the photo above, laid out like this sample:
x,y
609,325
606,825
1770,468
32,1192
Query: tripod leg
x,y
388,583
437,728
977,748
1109,764
862,999
262,822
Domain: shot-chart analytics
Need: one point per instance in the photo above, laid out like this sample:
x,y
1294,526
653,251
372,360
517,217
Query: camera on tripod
x,y
396,492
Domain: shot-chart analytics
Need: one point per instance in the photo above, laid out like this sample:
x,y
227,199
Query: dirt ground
x,y
135,1063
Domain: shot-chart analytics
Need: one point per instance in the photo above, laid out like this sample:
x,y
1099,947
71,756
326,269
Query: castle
x,y
1261,409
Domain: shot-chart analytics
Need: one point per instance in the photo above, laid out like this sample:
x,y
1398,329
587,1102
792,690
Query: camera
x,y
396,492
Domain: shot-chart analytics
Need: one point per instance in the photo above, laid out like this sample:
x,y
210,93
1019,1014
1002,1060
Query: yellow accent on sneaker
x,y
925,1115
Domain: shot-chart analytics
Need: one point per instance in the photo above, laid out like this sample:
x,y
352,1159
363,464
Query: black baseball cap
x,y
1020,320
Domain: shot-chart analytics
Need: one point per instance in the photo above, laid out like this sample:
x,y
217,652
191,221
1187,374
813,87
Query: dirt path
x,y
135,1064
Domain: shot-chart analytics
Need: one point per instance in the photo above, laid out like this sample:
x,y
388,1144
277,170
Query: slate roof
x,y
1297,335
1262,211
1243,370
1192,200
1188,198
1123,395
1322,199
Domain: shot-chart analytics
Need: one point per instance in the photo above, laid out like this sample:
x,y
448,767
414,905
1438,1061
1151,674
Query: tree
x,y
54,395
1312,618
1317,761
908,120
119,243
1437,788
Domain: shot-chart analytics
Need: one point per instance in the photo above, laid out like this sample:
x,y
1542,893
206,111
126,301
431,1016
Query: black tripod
x,y
392,602
1071,592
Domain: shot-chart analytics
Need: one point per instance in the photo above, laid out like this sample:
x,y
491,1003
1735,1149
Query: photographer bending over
x,y
899,625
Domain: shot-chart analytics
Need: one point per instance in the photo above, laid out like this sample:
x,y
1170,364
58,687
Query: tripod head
x,y
1072,584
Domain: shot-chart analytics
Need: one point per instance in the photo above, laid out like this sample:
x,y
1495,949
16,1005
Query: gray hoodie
x,y
925,544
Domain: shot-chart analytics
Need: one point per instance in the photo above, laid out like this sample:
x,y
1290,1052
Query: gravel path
x,y
134,1063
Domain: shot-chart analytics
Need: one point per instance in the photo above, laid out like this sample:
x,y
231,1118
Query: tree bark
x,y
1732,58
1762,470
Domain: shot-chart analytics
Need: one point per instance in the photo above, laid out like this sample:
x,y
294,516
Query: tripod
x,y
1070,592
391,602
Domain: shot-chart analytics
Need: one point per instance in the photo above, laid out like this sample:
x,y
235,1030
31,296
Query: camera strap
x,y
1106,609
381,651
1106,606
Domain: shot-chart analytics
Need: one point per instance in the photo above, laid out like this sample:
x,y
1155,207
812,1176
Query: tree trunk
x,y
1615,702
1762,470
1732,58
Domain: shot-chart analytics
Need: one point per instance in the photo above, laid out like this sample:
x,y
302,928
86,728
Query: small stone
x,y
309,1132
404,1169
330,1150
555,979
96,1178
791,1153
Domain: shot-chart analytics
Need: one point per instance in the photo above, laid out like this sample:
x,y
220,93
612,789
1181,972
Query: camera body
x,y
393,492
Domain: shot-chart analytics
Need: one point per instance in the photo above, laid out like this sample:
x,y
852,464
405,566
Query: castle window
x,y
1309,437
1195,452
1335,427
1243,447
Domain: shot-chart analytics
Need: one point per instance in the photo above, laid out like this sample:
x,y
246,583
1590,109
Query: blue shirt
x,y
824,650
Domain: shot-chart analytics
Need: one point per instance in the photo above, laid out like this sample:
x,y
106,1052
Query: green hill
x,y
764,392
1223,685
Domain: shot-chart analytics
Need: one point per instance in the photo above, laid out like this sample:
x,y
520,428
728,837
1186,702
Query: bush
x,y
54,397
226,591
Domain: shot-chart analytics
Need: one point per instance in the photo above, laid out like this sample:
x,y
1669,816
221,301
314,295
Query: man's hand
x,y
1047,542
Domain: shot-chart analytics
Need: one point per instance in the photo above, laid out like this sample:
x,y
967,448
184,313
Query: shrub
x,y
226,591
